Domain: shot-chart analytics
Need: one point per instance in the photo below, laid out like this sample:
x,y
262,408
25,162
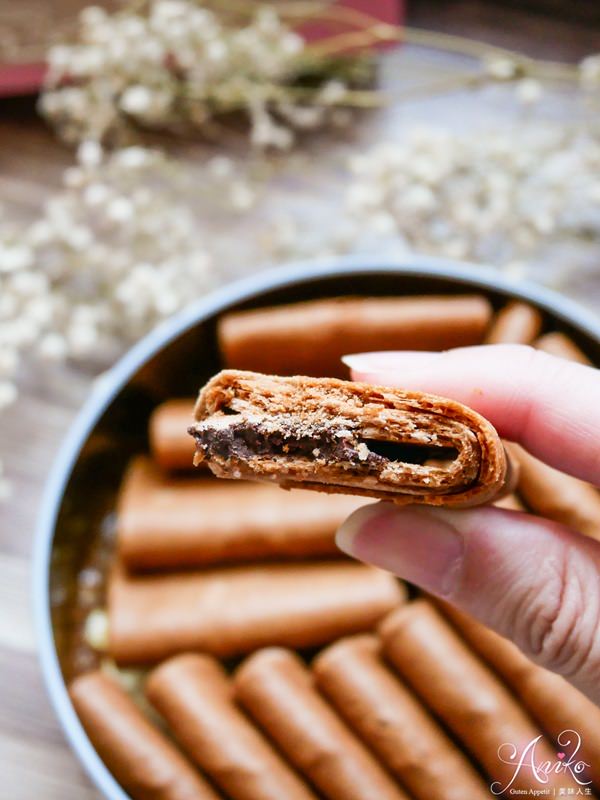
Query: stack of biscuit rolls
x,y
276,669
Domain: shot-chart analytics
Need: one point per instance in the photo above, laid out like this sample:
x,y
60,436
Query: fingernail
x,y
360,361
419,545
378,361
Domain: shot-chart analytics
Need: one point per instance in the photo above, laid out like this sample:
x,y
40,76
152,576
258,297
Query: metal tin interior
x,y
174,360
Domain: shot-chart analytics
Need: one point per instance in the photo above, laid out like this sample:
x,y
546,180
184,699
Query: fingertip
x,y
415,543
386,360
353,361
349,529
372,378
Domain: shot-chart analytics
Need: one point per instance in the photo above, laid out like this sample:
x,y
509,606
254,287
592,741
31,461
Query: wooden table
x,y
35,761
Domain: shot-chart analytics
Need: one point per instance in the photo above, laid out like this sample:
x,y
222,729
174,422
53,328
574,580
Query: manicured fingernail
x,y
376,362
419,545
360,361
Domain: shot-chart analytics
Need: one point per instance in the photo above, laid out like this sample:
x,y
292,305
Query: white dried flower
x,y
8,394
174,64
266,132
112,253
5,490
332,92
8,362
120,209
500,67
493,196
89,153
130,680
529,91
91,16
95,631
96,194
134,157
221,166
242,196
136,100
52,347
170,10
15,257
589,72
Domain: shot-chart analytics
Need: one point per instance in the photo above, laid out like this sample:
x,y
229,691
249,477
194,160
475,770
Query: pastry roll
x,y
516,323
393,723
195,697
311,337
277,690
510,502
234,610
340,436
466,695
558,344
169,444
553,702
556,495
167,522
146,764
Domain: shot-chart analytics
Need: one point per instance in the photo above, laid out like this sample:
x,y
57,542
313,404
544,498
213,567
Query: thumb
x,y
532,580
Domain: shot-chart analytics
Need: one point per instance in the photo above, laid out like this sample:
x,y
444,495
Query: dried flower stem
x,y
379,33
372,31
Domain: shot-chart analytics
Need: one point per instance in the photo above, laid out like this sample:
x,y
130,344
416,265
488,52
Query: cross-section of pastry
x,y
339,436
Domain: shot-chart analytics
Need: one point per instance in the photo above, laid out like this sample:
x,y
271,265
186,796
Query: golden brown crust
x,y
457,686
311,337
165,522
552,701
327,434
276,688
234,610
387,716
194,695
142,759
556,495
170,446
558,344
516,323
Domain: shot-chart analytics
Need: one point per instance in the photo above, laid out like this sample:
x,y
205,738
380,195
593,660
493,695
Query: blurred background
x,y
151,151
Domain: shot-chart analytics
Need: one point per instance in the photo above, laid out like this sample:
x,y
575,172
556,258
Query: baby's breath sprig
x,y
112,253
177,65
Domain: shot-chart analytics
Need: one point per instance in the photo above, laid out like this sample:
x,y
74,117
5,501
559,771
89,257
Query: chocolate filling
x,y
243,442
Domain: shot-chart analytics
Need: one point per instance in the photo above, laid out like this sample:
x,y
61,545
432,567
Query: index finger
x,y
549,405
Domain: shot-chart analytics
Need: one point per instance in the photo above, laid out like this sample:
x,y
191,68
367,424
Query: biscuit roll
x,y
557,344
166,522
555,704
556,495
195,697
466,695
348,437
388,718
309,338
230,611
146,764
276,688
510,502
169,442
516,323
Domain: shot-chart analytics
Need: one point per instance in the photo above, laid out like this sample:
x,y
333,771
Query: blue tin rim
x,y
108,386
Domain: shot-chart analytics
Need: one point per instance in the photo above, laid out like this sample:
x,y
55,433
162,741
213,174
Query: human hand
x,y
534,581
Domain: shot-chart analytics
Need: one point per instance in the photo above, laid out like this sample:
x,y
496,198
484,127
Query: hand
x,y
534,581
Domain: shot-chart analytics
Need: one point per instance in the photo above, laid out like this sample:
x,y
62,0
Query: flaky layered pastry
x,y
339,436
